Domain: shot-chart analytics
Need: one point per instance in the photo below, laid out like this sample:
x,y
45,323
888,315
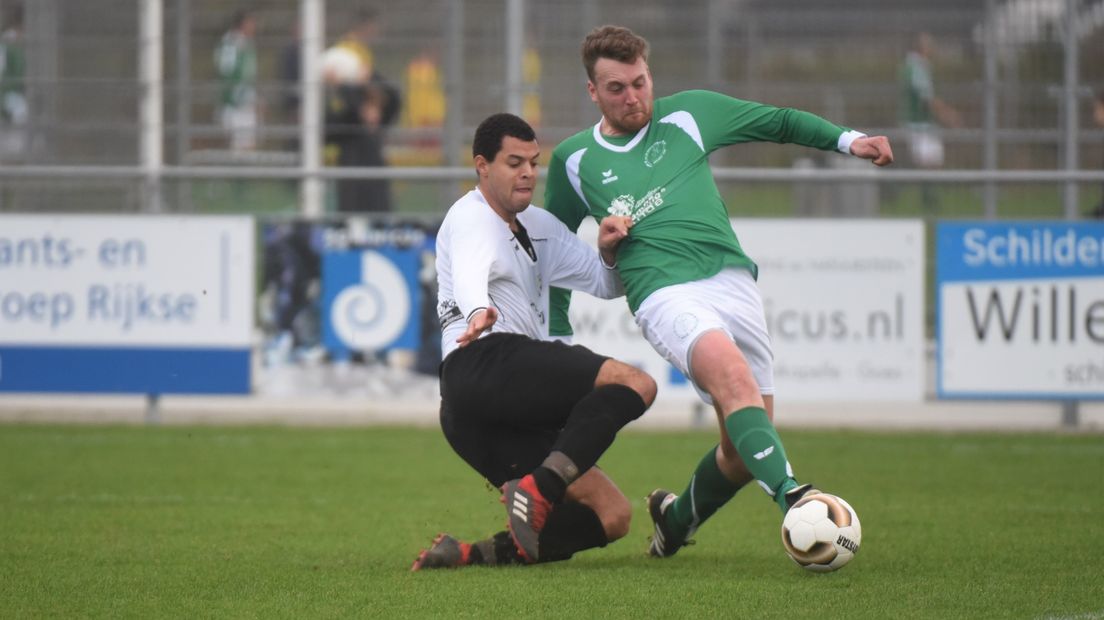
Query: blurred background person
x,y
358,40
531,78
922,113
291,282
236,65
425,97
13,97
360,104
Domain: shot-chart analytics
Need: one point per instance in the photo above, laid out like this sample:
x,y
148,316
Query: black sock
x,y
571,527
594,422
505,551
550,484
476,555
496,550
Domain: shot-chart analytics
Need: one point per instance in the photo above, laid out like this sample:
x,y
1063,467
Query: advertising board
x,y
145,304
844,305
1020,310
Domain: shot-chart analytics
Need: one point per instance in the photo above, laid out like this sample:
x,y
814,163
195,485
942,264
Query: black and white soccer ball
x,y
821,532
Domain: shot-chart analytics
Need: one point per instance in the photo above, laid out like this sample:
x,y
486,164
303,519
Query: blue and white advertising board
x,y
371,299
372,286
1020,310
843,301
138,304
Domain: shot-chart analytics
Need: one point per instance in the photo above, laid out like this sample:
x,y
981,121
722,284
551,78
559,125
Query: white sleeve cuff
x,y
845,140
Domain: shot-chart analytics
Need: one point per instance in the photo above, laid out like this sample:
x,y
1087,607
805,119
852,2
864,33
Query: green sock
x,y
707,492
759,446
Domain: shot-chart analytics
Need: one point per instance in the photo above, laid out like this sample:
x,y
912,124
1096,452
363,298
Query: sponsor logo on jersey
x,y
448,313
608,177
655,153
622,205
628,205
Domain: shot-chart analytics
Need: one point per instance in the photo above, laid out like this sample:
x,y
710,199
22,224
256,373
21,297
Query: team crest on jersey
x,y
627,205
655,153
685,323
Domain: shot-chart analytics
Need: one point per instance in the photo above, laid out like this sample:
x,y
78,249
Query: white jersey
x,y
481,263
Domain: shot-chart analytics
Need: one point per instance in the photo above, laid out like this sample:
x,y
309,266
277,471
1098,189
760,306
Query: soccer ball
x,y
821,532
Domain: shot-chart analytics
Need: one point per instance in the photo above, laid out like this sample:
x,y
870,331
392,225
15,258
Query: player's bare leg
x,y
719,367
596,491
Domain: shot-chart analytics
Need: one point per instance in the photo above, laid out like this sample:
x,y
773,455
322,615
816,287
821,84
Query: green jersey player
x,y
236,64
688,282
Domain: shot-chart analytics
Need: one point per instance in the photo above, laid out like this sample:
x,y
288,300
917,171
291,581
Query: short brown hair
x,y
613,42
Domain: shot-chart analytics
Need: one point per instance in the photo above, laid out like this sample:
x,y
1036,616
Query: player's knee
x,y
645,386
616,518
735,395
635,379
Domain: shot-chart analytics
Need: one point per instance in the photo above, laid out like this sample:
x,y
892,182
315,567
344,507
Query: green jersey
x,y
917,90
661,178
236,63
13,70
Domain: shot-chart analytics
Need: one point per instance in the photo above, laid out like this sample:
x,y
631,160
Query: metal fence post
x,y
1071,415
454,95
312,20
151,114
515,50
1069,107
183,97
990,120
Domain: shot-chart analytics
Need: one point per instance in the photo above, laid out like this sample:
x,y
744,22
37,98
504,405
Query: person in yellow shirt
x,y
531,77
425,92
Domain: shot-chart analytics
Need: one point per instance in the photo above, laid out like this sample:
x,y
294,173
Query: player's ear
x,y
481,165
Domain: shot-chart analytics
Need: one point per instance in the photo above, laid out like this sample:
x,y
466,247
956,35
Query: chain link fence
x,y
999,67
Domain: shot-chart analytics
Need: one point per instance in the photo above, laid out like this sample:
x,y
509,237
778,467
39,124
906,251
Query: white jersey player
x,y
482,263
531,415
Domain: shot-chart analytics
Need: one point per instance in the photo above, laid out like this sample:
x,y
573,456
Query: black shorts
x,y
505,398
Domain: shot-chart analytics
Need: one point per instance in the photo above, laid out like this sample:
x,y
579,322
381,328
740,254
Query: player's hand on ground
x,y
611,231
874,148
480,322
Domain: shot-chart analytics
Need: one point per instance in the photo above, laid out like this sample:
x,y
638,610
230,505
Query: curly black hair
x,y
489,134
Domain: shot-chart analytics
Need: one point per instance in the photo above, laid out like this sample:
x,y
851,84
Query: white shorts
x,y
673,318
241,124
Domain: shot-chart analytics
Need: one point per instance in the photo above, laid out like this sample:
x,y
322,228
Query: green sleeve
x,y
727,120
561,200
559,302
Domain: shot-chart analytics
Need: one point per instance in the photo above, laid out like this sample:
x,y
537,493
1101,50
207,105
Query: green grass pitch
x,y
150,522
